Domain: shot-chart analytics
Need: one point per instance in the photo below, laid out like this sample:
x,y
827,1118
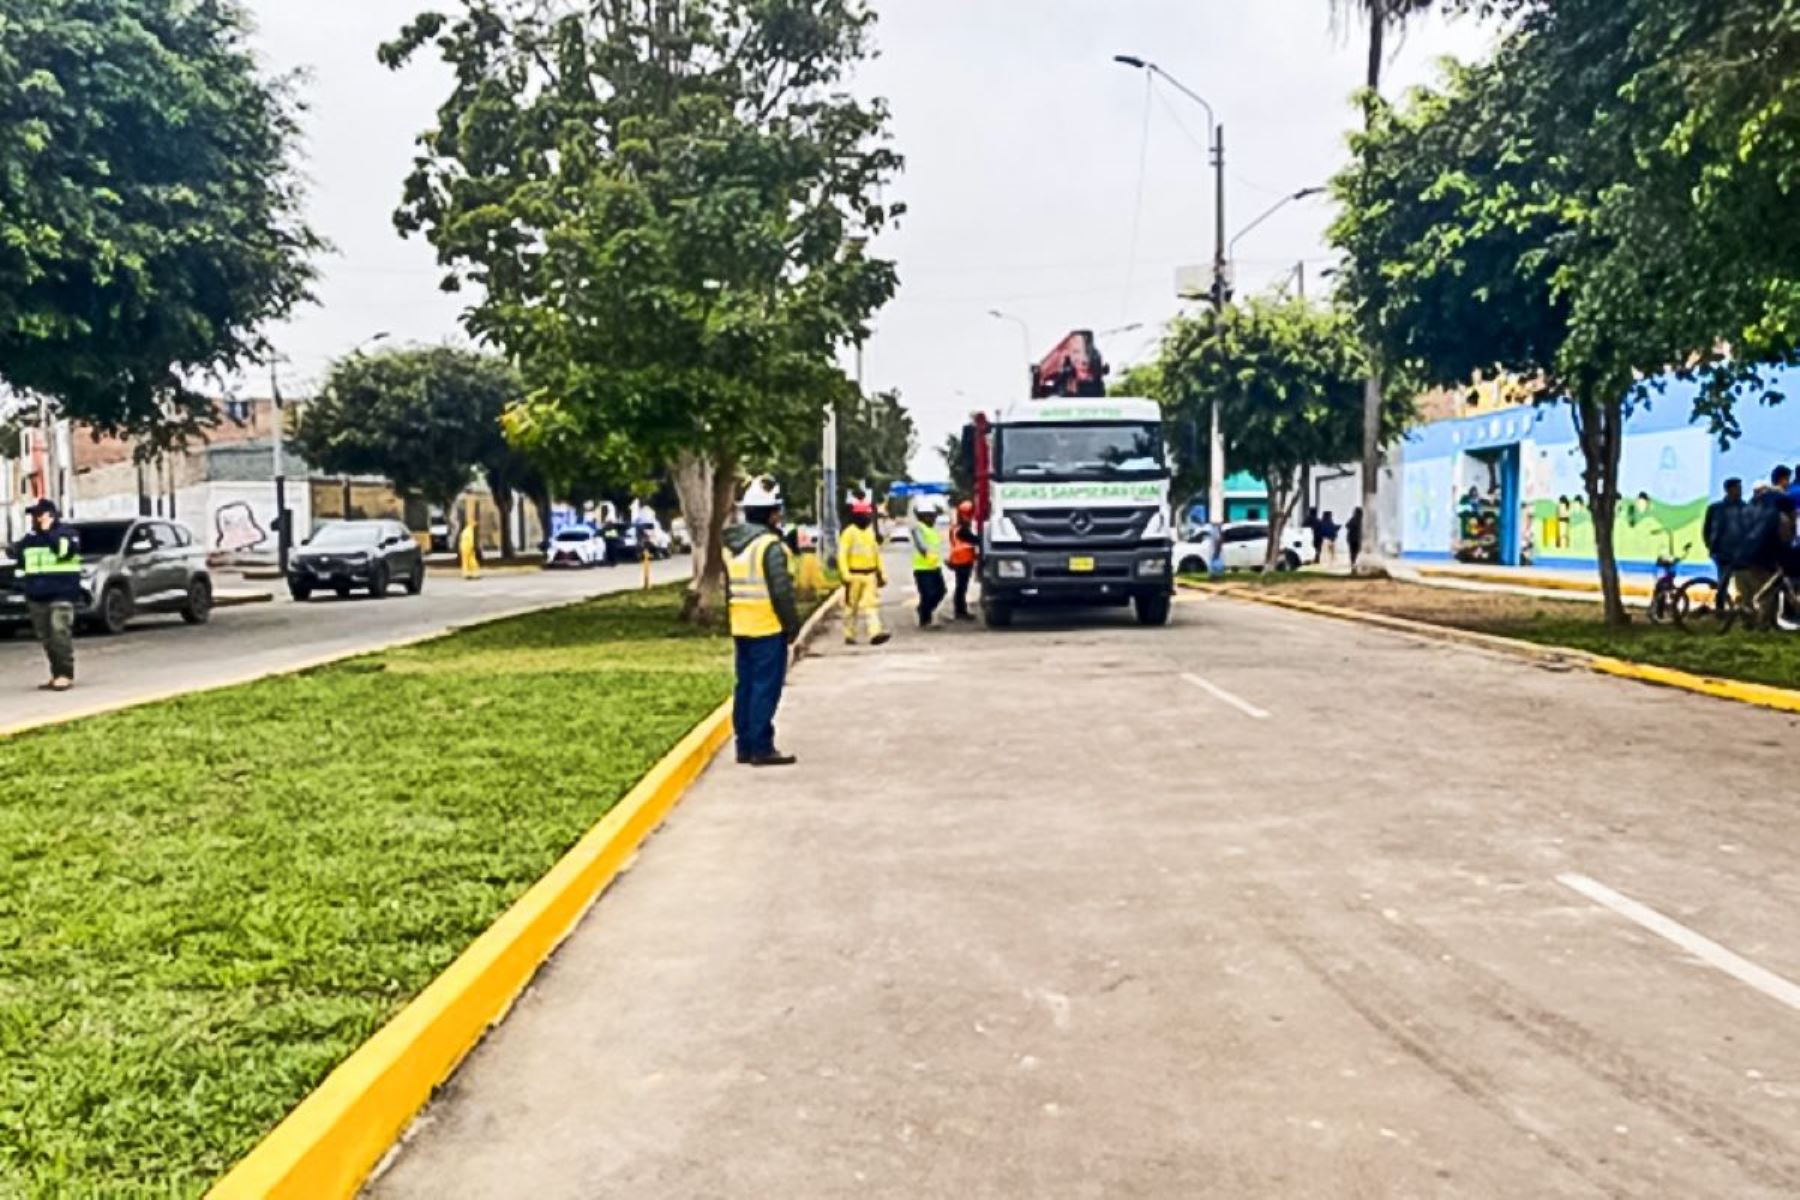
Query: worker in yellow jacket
x,y
465,548
859,558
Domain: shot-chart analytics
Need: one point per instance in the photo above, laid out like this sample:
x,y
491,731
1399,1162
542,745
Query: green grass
x,y
205,904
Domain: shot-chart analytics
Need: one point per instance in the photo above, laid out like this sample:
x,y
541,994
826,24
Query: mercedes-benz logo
x,y
1082,522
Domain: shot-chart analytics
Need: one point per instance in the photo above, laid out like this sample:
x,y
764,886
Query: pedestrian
x,y
468,551
1720,532
1765,535
765,621
928,560
964,550
1315,525
859,557
1353,529
1327,535
49,559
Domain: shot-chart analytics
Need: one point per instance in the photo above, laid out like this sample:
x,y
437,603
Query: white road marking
x,y
1701,947
1219,693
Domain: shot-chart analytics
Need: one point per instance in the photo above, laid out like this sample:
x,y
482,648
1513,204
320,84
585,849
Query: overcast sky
x,y
1023,143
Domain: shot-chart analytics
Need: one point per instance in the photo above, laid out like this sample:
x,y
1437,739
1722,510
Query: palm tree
x,y
1382,17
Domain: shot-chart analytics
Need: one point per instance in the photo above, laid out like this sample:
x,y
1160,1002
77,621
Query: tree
x,y
149,207
665,210
1288,378
1382,17
956,467
426,418
876,442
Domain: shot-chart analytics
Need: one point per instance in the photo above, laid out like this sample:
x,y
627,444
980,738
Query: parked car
x,y
1244,547
345,555
129,567
576,546
899,532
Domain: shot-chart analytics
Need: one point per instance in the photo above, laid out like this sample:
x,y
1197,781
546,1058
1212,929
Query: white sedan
x,y
1245,548
576,546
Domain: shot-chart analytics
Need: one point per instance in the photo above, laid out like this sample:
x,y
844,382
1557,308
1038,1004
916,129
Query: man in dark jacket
x,y
49,560
1724,519
765,621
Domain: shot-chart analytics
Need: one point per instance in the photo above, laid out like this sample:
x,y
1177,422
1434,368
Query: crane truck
x,y
1072,494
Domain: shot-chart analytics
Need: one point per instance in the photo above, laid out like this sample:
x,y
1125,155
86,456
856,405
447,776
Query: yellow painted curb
x,y
1757,694
328,1145
1547,583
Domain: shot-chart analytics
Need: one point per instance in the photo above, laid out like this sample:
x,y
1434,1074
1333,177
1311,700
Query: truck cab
x,y
1075,500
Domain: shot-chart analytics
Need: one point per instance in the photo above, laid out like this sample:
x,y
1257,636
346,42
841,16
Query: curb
x,y
337,1135
1546,583
1756,694
237,599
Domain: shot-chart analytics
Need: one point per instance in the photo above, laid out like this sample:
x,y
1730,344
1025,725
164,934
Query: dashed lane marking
x,y
1700,946
1220,694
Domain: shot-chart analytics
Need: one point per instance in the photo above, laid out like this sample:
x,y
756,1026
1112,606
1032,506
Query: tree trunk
x,y
1377,49
503,500
1601,428
707,490
1282,495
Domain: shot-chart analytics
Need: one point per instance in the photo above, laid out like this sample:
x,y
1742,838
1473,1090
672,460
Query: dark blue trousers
x,y
761,673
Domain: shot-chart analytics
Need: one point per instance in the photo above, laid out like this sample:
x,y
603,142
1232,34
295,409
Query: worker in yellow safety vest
x,y
859,558
765,620
928,560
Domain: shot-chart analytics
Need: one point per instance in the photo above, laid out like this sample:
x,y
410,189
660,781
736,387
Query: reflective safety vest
x,y
859,551
928,548
752,610
50,567
962,550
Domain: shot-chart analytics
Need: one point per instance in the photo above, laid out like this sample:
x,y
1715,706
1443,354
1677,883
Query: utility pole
x,y
828,475
284,537
1215,492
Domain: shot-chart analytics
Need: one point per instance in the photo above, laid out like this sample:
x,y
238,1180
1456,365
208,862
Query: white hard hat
x,y
762,493
925,504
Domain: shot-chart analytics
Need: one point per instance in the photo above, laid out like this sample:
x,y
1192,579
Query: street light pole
x,y
1024,334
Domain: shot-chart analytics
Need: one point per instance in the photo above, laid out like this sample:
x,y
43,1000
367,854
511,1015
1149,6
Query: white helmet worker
x,y
925,504
762,493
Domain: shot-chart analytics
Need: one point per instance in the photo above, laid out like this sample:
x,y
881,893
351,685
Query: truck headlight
x,y
1011,569
1005,530
1153,566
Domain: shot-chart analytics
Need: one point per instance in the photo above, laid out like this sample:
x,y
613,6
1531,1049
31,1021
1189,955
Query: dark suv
x,y
130,567
357,554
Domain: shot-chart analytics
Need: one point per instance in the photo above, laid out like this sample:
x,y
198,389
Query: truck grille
x,y
1050,527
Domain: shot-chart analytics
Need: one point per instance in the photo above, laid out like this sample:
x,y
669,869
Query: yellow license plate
x,y
1081,566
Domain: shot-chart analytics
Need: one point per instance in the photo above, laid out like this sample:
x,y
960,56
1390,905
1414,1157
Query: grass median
x,y
206,904
1768,658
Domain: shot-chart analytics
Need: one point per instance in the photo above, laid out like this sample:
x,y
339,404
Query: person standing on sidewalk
x,y
765,621
1720,533
1353,536
859,557
49,560
964,549
928,560
468,551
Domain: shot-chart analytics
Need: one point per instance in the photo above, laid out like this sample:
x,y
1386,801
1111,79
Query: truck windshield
x,y
1080,451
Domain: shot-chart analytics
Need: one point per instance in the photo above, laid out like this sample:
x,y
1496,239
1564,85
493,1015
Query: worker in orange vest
x,y
964,549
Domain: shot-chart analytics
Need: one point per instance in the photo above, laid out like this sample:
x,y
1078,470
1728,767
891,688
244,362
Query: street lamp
x,y
1215,492
1302,194
1024,333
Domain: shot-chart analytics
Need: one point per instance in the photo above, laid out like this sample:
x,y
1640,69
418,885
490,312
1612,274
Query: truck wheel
x,y
996,614
1153,610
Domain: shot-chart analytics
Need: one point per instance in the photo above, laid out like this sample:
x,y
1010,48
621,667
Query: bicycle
x,y
1671,601
1779,598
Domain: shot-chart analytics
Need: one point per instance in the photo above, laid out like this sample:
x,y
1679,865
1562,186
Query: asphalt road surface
x,y
1259,905
159,655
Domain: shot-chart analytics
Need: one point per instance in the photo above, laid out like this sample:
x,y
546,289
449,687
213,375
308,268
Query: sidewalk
x,y
1548,583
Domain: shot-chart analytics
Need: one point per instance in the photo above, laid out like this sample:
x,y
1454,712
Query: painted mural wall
x,y
1671,470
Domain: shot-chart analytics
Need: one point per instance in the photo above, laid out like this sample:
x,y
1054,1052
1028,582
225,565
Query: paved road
x,y
1259,905
160,654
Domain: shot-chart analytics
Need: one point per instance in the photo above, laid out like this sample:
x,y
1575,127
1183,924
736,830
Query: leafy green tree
x,y
426,418
149,207
664,210
876,441
956,467
1288,377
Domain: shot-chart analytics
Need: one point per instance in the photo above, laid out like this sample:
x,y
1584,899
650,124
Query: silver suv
x,y
129,567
